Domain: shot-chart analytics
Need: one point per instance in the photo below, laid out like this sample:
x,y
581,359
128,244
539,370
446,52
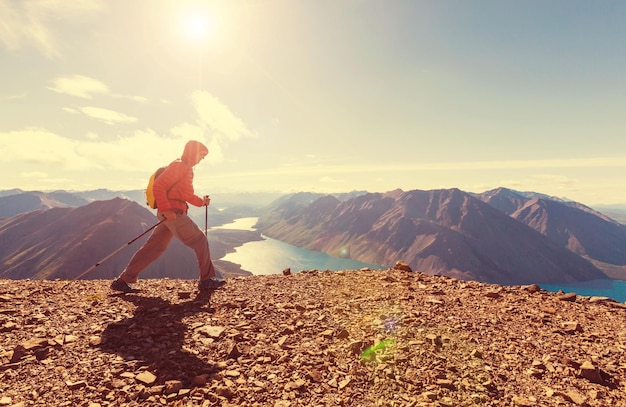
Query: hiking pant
x,y
187,232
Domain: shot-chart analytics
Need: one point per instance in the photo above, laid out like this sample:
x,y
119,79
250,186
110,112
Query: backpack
x,y
150,200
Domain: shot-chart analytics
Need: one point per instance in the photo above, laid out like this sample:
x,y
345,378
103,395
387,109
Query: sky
x,y
316,95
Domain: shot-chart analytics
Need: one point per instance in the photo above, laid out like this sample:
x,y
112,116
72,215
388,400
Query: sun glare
x,y
198,27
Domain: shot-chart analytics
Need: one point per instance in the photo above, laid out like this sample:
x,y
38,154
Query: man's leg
x,y
191,235
149,252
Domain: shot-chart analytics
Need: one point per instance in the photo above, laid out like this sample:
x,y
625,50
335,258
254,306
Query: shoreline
x,y
225,241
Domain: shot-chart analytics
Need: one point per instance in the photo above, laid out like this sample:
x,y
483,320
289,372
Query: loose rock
x,y
355,338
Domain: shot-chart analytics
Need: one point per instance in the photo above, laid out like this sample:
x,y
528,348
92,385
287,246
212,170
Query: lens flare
x,y
379,351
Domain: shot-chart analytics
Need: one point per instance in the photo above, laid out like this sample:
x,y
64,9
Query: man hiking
x,y
173,189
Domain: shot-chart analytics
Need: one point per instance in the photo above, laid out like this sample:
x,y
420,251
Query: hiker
x,y
172,190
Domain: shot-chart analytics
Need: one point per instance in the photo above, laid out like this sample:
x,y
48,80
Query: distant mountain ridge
x,y
229,199
446,232
14,204
224,208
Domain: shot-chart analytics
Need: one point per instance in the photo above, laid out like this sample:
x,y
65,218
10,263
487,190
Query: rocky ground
x,y
352,338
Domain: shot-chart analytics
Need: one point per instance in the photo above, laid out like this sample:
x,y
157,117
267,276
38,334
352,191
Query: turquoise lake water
x,y
271,256
615,289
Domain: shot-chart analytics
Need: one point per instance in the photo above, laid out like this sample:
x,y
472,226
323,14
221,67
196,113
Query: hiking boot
x,y
209,285
119,285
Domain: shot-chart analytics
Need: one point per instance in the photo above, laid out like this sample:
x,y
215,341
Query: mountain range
x,y
499,236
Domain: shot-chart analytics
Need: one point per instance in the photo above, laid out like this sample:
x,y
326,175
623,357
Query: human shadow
x,y
154,336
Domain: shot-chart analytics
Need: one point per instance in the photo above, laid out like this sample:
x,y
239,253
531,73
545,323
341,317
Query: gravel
x,y
311,338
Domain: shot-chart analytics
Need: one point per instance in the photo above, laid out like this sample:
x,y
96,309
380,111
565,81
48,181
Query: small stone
x,y
357,347
570,297
343,334
211,331
233,351
549,310
576,397
519,401
597,299
34,343
287,272
327,333
172,386
225,391
75,385
298,384
590,372
532,288
535,372
445,383
282,340
70,338
314,376
402,265
146,377
200,380
429,395
18,353
571,326
537,364
42,354
434,340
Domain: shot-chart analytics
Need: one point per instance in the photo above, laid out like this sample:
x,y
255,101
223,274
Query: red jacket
x,y
174,187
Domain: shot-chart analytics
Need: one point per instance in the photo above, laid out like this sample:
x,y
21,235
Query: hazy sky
x,y
317,95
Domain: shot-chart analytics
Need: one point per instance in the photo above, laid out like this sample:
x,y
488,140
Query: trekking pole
x,y
90,269
206,220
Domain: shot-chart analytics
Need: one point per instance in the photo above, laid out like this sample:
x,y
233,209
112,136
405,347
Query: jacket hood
x,y
192,148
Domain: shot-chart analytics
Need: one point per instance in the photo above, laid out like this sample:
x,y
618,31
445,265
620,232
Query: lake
x,y
615,289
271,256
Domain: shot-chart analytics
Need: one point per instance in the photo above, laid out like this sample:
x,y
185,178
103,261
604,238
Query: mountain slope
x,y
438,232
577,227
64,242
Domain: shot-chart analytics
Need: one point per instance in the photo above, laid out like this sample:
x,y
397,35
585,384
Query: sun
x,y
198,26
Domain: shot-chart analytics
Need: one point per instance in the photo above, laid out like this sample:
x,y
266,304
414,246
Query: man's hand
x,y
169,215
206,200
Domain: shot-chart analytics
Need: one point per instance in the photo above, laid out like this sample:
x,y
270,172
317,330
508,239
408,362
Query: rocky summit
x,y
312,338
